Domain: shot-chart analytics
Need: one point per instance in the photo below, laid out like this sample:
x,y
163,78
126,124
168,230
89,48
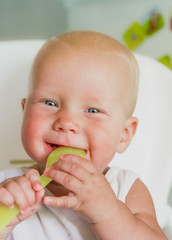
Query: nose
x,y
67,123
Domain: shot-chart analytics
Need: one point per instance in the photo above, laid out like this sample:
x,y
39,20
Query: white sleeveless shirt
x,y
52,223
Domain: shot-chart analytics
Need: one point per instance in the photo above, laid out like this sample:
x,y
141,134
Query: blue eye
x,y
50,103
93,110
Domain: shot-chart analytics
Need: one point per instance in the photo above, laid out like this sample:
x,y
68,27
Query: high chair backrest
x,y
15,62
150,153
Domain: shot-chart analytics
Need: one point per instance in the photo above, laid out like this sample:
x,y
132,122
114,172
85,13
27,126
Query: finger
x,y
21,217
28,192
73,169
85,163
65,201
68,181
34,177
18,194
6,198
39,198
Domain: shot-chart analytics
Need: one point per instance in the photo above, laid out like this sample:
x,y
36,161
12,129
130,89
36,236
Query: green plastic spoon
x,y
7,214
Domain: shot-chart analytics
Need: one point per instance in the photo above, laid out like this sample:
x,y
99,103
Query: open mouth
x,y
54,146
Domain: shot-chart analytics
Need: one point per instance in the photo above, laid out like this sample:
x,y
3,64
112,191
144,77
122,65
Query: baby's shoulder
x,y
139,199
121,181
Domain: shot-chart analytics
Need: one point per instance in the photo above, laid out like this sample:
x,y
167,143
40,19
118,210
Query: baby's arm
x,y
136,219
24,191
92,197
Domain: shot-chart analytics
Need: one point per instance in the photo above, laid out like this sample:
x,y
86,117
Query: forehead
x,y
66,63
55,52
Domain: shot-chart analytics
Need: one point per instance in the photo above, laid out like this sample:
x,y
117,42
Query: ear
x,y
127,134
23,102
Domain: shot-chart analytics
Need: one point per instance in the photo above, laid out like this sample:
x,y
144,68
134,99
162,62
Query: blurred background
x,y
144,26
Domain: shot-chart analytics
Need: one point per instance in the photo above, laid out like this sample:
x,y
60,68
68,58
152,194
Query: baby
x,y
82,93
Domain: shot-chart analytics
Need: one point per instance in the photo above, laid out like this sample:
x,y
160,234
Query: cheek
x,y
30,126
33,122
32,133
103,145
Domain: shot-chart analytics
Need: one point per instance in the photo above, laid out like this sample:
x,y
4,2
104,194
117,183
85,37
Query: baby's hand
x,y
24,191
89,192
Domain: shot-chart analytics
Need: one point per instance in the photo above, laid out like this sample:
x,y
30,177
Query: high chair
x,y
150,152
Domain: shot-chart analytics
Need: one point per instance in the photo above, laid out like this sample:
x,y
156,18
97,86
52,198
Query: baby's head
x,y
82,93
96,44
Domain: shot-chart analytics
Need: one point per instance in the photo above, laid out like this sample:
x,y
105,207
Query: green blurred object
x,y
137,33
154,23
166,60
21,161
134,36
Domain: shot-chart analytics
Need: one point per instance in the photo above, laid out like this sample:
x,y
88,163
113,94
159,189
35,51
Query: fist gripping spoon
x,y
7,214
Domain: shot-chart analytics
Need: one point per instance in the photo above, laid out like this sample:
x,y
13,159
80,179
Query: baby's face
x,y
76,99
